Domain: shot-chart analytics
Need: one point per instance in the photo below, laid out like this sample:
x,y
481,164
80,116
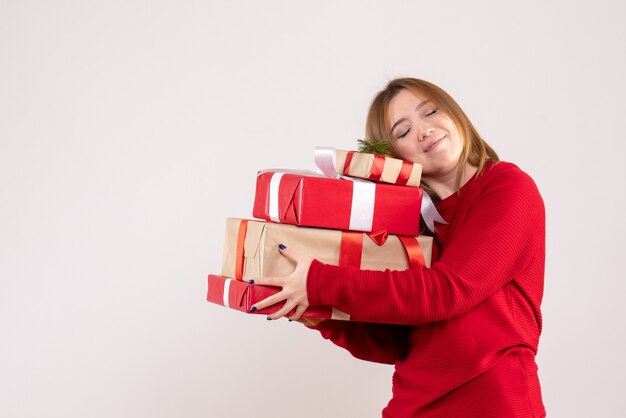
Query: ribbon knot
x,y
379,237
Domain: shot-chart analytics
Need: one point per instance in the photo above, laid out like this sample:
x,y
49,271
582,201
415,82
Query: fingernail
x,y
268,318
281,246
251,281
253,309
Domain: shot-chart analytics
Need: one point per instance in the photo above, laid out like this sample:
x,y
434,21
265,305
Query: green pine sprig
x,y
372,146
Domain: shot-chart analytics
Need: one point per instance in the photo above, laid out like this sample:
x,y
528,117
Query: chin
x,y
441,169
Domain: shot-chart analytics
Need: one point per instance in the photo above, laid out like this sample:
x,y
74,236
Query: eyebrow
x,y
418,107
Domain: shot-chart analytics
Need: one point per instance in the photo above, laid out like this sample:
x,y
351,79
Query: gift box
x,y
310,199
241,296
373,167
251,249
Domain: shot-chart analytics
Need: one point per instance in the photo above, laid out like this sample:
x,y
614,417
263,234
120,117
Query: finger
x,y
269,281
299,311
288,307
289,253
269,301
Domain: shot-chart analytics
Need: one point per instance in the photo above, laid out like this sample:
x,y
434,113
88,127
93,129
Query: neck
x,y
446,185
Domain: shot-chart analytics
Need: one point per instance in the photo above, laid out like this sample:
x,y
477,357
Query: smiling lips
x,y
434,144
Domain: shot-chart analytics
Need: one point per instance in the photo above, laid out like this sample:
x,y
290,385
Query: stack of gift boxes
x,y
363,211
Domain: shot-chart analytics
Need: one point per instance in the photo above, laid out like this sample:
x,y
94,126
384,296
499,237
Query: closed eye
x,y
432,112
404,134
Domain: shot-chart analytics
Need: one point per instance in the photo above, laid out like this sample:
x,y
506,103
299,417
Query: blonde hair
x,y
378,127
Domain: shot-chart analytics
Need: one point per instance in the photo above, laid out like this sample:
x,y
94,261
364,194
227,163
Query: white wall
x,y
129,131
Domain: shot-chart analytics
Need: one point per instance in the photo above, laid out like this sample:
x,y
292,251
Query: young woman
x,y
474,315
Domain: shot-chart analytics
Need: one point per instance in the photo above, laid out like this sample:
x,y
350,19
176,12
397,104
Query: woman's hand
x,y
293,287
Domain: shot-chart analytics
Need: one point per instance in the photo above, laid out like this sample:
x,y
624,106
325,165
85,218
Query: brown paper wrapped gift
x,y
251,249
373,167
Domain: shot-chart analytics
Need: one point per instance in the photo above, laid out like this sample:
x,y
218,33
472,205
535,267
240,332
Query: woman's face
x,y
422,134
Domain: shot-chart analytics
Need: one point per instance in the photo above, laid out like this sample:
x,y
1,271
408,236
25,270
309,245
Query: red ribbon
x,y
413,251
240,257
378,237
377,167
351,248
375,172
405,173
346,164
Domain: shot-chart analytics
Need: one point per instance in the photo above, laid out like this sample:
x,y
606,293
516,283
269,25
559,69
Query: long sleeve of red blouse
x,y
492,240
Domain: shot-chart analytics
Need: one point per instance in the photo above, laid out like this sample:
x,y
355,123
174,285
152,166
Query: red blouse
x,y
462,334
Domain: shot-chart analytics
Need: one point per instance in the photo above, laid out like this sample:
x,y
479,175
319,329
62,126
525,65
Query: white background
x,y
129,131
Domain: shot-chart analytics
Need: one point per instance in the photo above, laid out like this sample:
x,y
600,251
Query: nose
x,y
426,131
